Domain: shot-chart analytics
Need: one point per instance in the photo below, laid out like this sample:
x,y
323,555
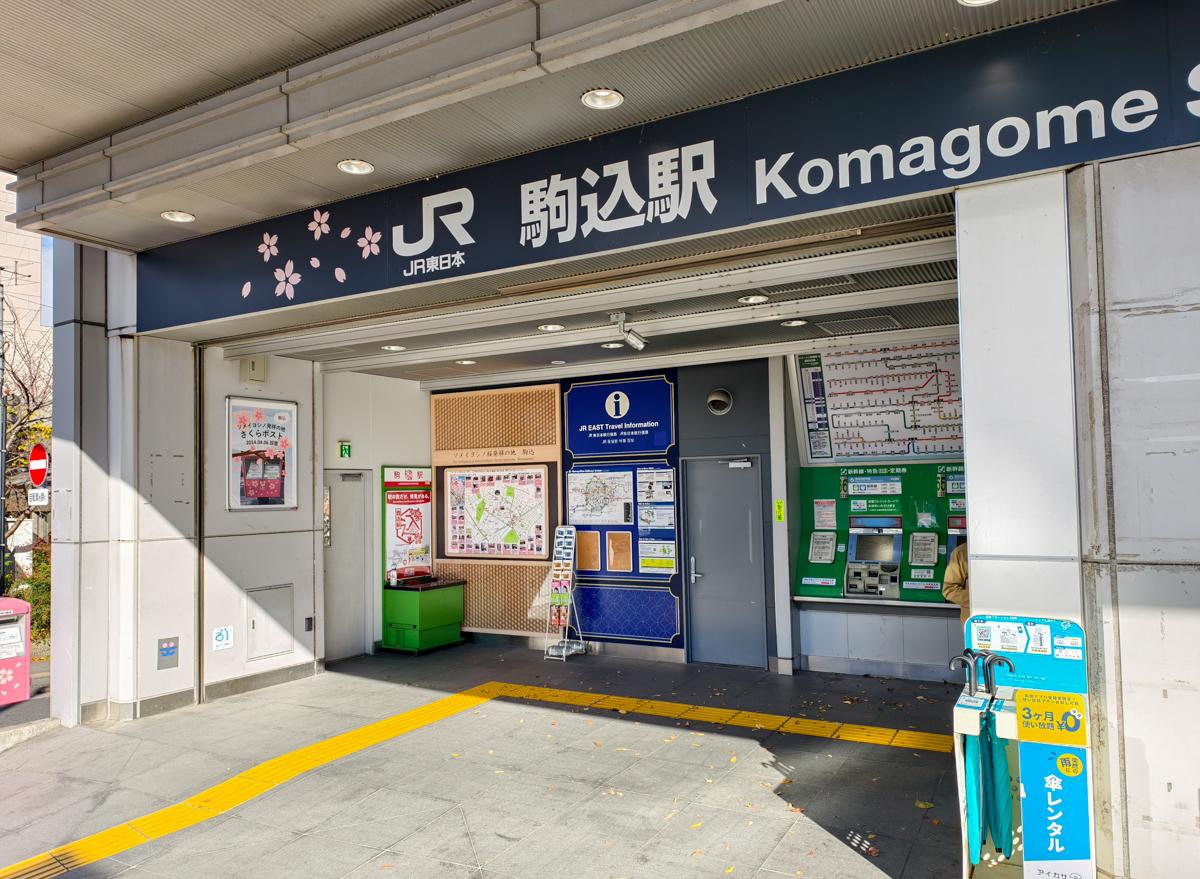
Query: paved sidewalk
x,y
514,788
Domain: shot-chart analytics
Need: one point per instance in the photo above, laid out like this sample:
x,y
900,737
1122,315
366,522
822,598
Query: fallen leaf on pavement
x,y
936,821
730,870
873,852
797,810
697,824
597,744
921,804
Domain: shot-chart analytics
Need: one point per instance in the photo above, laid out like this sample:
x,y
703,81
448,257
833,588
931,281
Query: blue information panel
x,y
1054,811
618,418
1046,654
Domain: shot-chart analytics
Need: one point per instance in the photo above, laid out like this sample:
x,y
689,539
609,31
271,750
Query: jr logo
x,y
617,405
455,221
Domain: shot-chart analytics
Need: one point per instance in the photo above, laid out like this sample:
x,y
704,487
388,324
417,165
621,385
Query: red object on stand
x,y
14,650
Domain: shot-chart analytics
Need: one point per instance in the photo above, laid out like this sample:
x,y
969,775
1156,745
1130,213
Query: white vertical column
x,y
779,528
122,488
1018,398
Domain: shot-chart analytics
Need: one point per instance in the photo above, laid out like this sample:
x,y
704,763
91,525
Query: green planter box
x,y
423,617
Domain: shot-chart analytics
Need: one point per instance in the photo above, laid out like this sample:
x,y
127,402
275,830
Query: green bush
x,y
36,590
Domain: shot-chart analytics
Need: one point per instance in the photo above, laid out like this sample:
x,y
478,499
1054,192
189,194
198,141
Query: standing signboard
x,y
407,523
261,454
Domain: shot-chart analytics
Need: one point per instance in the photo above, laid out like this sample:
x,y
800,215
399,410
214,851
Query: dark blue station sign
x,y
1115,79
618,418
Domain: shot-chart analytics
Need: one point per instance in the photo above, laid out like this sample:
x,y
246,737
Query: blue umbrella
x,y
976,813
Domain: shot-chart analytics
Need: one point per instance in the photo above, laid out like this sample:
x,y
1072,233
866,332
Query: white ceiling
x,y
81,71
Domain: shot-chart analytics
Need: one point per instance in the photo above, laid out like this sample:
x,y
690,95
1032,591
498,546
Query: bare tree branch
x,y
28,396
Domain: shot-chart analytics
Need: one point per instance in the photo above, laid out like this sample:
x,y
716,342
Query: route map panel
x,y
496,512
901,401
600,497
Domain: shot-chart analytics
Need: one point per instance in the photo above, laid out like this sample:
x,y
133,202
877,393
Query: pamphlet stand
x,y
562,588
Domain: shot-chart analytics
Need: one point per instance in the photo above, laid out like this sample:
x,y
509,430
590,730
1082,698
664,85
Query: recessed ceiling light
x,y
557,362
178,216
613,345
355,166
755,299
975,2
465,362
794,323
602,99
551,328
393,347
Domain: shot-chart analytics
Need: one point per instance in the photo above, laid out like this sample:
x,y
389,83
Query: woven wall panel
x,y
499,419
498,596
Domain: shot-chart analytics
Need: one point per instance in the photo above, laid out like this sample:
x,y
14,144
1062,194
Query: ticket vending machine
x,y
14,650
879,533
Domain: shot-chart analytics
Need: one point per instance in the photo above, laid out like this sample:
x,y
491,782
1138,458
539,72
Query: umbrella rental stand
x,y
1021,749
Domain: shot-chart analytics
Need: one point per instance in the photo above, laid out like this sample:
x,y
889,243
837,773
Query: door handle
x,y
694,574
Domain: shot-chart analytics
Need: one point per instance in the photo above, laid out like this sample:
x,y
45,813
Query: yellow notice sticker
x,y
778,511
1051,718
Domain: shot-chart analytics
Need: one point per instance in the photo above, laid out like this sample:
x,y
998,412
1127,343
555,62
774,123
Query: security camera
x,y
720,401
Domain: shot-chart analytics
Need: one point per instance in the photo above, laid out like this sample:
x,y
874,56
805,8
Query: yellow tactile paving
x,y
801,726
754,720
249,784
875,735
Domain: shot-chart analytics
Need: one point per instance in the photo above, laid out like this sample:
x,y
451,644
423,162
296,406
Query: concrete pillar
x,y
79,458
123,509
1018,398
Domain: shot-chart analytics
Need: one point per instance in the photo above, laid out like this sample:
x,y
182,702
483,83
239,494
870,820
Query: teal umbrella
x,y
997,793
973,774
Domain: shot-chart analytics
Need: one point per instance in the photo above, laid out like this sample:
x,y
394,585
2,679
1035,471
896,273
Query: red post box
x,y
14,650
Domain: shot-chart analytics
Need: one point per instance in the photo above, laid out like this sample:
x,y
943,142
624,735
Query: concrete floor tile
x,y
16,847
549,853
309,801
666,779
53,795
215,849
405,866
575,764
311,856
183,776
629,815
815,851
445,838
933,862
98,811
259,745
727,834
452,779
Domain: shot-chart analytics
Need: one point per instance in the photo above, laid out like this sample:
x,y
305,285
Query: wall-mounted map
x,y
901,401
600,497
497,512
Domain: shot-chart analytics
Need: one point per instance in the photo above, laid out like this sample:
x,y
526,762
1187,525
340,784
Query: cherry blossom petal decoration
x,y
319,224
315,263
346,232
287,279
245,289
268,248
370,242
340,274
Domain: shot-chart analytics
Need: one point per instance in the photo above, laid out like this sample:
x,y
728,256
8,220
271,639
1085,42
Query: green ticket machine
x,y
881,532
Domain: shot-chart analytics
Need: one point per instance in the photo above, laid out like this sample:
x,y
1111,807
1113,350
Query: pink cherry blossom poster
x,y
262,454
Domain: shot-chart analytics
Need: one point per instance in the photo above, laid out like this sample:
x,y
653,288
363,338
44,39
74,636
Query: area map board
x,y
900,401
497,512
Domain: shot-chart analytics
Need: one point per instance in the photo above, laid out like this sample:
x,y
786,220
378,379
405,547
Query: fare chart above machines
x,y
895,402
624,496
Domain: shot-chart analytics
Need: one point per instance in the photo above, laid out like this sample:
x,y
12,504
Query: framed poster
x,y
407,523
497,512
261,455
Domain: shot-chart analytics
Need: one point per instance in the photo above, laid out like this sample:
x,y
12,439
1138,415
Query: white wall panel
x,y
1018,393
167,599
1151,229
386,421
824,634
232,565
1160,663
1045,587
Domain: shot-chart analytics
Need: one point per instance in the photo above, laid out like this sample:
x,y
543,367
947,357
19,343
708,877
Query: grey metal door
x,y
346,566
723,570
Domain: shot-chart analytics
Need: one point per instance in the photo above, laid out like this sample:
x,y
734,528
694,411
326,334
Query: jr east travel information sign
x,y
1116,79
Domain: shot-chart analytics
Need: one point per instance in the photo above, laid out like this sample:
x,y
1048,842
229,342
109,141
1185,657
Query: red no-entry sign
x,y
39,464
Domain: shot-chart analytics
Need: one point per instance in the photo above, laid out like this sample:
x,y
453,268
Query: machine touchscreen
x,y
874,548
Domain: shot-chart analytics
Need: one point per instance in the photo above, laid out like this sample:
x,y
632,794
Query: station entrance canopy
x,y
1116,79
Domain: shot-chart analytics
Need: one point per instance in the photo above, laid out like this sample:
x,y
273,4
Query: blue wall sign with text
x,y
620,417
1115,79
1055,811
1047,654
